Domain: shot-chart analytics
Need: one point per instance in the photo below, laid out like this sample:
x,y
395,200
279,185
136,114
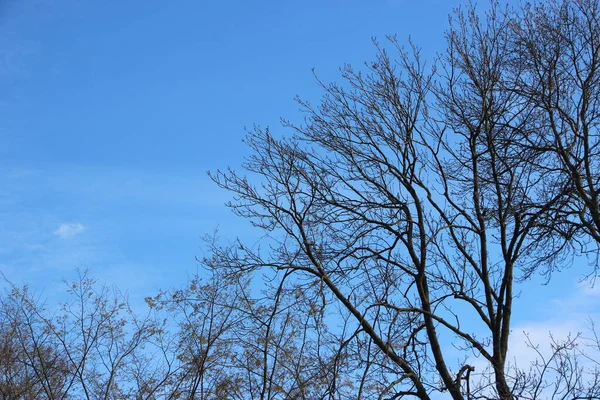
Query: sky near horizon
x,y
113,111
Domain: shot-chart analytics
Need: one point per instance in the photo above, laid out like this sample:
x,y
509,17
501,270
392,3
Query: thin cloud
x,y
68,230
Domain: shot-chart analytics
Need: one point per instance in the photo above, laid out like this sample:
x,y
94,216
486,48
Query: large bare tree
x,y
415,199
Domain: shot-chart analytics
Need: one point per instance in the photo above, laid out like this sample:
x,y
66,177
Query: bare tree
x,y
231,343
30,366
82,350
416,199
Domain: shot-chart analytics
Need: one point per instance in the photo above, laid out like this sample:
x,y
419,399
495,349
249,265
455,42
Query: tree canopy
x,y
415,197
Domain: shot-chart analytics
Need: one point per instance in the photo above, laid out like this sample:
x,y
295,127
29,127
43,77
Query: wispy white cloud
x,y
535,340
70,229
571,316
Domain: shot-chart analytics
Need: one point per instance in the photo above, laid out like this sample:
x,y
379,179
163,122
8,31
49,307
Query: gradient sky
x,y
113,111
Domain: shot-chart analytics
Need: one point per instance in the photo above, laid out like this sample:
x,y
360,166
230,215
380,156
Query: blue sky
x,y
113,111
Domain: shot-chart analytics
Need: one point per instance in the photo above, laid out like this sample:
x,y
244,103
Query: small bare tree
x,y
232,344
82,350
31,367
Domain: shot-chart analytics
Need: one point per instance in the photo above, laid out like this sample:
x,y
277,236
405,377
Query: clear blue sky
x,y
113,111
